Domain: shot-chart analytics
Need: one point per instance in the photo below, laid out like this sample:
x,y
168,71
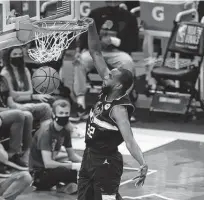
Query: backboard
x,y
36,10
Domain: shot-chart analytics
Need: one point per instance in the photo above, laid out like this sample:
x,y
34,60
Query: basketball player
x,y
107,127
118,33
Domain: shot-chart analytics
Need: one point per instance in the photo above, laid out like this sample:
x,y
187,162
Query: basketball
x,y
45,80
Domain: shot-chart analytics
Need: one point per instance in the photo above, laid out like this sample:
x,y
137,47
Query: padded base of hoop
x,y
24,30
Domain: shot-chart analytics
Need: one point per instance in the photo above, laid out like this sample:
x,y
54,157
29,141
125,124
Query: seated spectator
x,y
64,92
13,186
44,163
19,125
20,85
118,33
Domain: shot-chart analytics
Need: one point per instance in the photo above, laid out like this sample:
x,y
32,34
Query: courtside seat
x,y
184,74
179,70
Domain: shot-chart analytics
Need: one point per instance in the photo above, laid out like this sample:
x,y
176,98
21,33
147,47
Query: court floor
x,y
176,167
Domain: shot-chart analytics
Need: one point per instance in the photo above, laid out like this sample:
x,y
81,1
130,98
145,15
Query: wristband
x,y
31,97
142,166
115,41
76,166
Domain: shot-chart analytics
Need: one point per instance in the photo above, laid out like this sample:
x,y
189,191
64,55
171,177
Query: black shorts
x,y
100,175
45,179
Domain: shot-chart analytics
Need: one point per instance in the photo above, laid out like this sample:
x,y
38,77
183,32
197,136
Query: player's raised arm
x,y
95,51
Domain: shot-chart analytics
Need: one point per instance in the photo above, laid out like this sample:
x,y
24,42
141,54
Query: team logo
x,y
106,162
158,13
107,106
98,109
181,33
107,25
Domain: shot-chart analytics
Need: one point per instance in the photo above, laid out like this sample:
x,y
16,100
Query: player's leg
x,y
85,180
85,188
107,177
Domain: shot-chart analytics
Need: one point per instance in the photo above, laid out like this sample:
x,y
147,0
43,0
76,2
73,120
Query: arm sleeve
x,y
67,140
129,35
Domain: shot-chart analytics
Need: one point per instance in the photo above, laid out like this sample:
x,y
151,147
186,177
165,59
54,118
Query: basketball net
x,y
52,37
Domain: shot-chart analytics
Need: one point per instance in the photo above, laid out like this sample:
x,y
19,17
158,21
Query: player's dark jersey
x,y
102,133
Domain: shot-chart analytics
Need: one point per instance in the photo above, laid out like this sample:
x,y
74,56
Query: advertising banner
x,y
159,15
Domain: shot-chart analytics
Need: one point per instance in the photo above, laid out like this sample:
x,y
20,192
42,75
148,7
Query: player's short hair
x,y
126,79
60,102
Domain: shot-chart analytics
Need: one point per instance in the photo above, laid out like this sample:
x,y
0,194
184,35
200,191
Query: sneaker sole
x,y
69,189
15,166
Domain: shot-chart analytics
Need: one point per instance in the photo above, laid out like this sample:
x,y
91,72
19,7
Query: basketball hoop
x,y
53,36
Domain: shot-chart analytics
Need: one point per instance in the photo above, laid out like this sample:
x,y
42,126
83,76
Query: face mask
x,y
17,61
62,121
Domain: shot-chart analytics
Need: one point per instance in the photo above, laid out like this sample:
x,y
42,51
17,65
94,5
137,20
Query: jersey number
x,y
90,131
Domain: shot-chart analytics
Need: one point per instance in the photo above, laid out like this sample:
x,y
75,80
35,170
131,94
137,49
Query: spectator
x,y
119,36
19,123
19,82
200,8
44,163
13,186
131,4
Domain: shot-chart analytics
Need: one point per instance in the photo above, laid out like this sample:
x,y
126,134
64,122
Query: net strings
x,y
51,43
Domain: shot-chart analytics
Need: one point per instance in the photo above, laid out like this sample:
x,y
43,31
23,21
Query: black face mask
x,y
17,61
62,121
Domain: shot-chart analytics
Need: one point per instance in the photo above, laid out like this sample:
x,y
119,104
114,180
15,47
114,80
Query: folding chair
x,y
178,72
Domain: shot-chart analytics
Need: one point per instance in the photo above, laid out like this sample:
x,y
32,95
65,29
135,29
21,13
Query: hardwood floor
x,y
179,176
176,172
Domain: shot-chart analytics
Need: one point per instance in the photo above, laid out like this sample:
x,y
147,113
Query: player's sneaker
x,y
70,188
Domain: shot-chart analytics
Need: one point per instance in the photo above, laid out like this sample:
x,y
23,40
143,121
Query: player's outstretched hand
x,y
142,175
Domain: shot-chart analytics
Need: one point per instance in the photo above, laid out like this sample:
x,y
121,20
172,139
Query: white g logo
x,y
85,9
158,13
